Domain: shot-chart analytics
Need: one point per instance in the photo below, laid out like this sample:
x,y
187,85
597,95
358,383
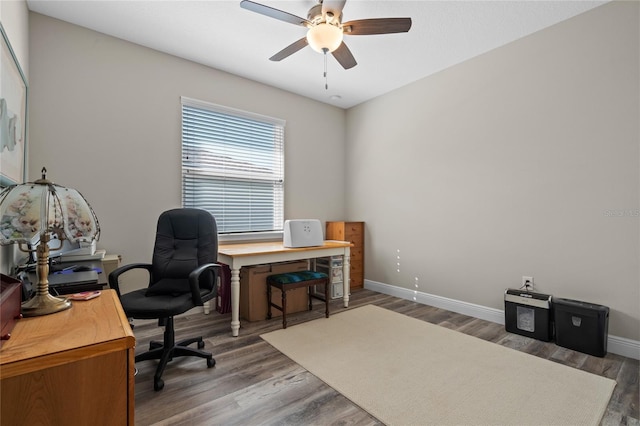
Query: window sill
x,y
250,237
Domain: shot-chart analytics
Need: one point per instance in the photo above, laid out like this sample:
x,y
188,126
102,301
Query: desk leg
x,y
346,274
235,302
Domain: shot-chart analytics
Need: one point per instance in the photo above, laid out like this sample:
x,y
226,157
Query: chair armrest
x,y
194,281
114,276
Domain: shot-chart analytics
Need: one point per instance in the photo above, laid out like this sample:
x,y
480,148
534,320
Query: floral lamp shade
x,y
30,209
30,215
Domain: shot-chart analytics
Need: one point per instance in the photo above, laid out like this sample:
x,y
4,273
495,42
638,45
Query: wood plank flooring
x,y
254,384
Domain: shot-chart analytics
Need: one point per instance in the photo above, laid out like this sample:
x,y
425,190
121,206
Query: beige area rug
x,y
404,371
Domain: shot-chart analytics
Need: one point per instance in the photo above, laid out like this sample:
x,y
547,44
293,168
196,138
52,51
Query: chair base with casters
x,y
291,281
137,305
166,350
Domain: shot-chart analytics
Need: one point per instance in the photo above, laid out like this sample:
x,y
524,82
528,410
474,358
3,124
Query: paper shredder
x,y
528,313
581,326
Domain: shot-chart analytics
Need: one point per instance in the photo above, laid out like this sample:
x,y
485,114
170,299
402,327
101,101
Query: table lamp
x,y
34,213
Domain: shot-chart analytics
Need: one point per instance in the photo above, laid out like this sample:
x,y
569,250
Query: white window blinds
x,y
233,166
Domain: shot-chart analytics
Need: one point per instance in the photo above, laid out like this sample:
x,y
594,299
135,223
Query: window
x,y
233,166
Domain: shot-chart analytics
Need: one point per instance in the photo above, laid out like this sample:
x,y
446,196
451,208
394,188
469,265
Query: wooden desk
x,y
239,255
71,367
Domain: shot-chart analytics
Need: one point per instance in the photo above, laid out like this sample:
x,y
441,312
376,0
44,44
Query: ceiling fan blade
x,y
333,6
289,50
273,13
344,56
377,26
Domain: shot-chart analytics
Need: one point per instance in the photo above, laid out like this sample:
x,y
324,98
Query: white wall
x,y
14,17
105,119
510,164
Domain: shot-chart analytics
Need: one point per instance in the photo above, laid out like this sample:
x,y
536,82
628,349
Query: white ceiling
x,y
220,34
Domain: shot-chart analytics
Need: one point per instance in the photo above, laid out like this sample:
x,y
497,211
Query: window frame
x,y
278,210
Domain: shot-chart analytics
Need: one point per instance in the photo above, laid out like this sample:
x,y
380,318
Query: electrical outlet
x,y
527,283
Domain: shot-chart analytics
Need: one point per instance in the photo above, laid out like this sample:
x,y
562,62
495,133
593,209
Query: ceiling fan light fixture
x,y
324,36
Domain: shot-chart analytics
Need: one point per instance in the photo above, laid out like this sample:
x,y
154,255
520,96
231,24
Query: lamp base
x,y
44,304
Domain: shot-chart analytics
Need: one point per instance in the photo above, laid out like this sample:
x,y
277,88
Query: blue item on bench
x,y
296,277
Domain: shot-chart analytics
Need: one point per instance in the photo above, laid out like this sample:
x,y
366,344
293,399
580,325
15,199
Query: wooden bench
x,y
292,280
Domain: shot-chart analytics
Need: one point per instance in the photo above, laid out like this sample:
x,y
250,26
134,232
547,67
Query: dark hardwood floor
x,y
254,384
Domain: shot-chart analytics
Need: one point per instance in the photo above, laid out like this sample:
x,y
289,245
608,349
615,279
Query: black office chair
x,y
182,275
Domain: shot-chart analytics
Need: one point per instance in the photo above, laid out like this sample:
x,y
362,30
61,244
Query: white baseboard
x,y
622,346
617,345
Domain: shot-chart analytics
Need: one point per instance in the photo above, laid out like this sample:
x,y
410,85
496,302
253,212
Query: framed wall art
x,y
13,115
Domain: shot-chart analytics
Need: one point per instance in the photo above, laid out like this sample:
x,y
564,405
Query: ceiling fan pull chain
x,y
326,83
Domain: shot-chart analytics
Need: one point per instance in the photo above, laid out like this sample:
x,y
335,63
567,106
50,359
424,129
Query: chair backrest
x,y
185,239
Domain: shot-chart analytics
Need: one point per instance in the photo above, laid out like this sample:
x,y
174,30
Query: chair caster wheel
x,y
158,384
200,344
210,362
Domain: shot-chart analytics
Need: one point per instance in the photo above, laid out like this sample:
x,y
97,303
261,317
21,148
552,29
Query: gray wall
x,y
105,119
514,163
517,162
14,17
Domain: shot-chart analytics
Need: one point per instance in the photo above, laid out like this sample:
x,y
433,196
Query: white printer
x,y
302,233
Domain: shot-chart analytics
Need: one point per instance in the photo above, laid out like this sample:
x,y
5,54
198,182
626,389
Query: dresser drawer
x,y
353,230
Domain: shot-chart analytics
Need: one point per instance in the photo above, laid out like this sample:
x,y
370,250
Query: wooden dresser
x,y
354,233
74,367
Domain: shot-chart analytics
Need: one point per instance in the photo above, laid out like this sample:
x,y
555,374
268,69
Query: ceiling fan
x,y
326,29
